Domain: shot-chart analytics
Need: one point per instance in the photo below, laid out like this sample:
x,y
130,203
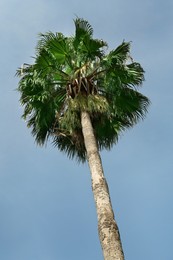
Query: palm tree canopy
x,y
74,74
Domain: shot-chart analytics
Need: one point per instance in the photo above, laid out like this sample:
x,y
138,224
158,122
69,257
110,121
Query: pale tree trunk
x,y
107,227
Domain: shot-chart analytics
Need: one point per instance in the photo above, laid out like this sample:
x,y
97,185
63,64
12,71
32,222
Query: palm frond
x,y
93,47
56,47
82,27
72,145
120,55
135,74
130,105
83,41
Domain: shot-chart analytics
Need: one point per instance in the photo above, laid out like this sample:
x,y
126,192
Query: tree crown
x,y
74,74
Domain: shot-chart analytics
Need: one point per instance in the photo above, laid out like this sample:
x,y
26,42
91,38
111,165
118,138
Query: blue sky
x,y
47,210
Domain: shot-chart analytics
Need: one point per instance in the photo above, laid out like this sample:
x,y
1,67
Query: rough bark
x,y
107,226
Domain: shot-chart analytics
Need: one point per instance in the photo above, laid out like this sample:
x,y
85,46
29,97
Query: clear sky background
x,y
47,210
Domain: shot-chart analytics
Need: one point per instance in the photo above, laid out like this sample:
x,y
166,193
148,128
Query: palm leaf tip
x,y
82,27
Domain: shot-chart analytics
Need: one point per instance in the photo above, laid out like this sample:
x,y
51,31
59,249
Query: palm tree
x,y
82,97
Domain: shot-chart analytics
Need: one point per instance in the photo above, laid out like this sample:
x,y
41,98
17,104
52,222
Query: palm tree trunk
x,y
107,227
